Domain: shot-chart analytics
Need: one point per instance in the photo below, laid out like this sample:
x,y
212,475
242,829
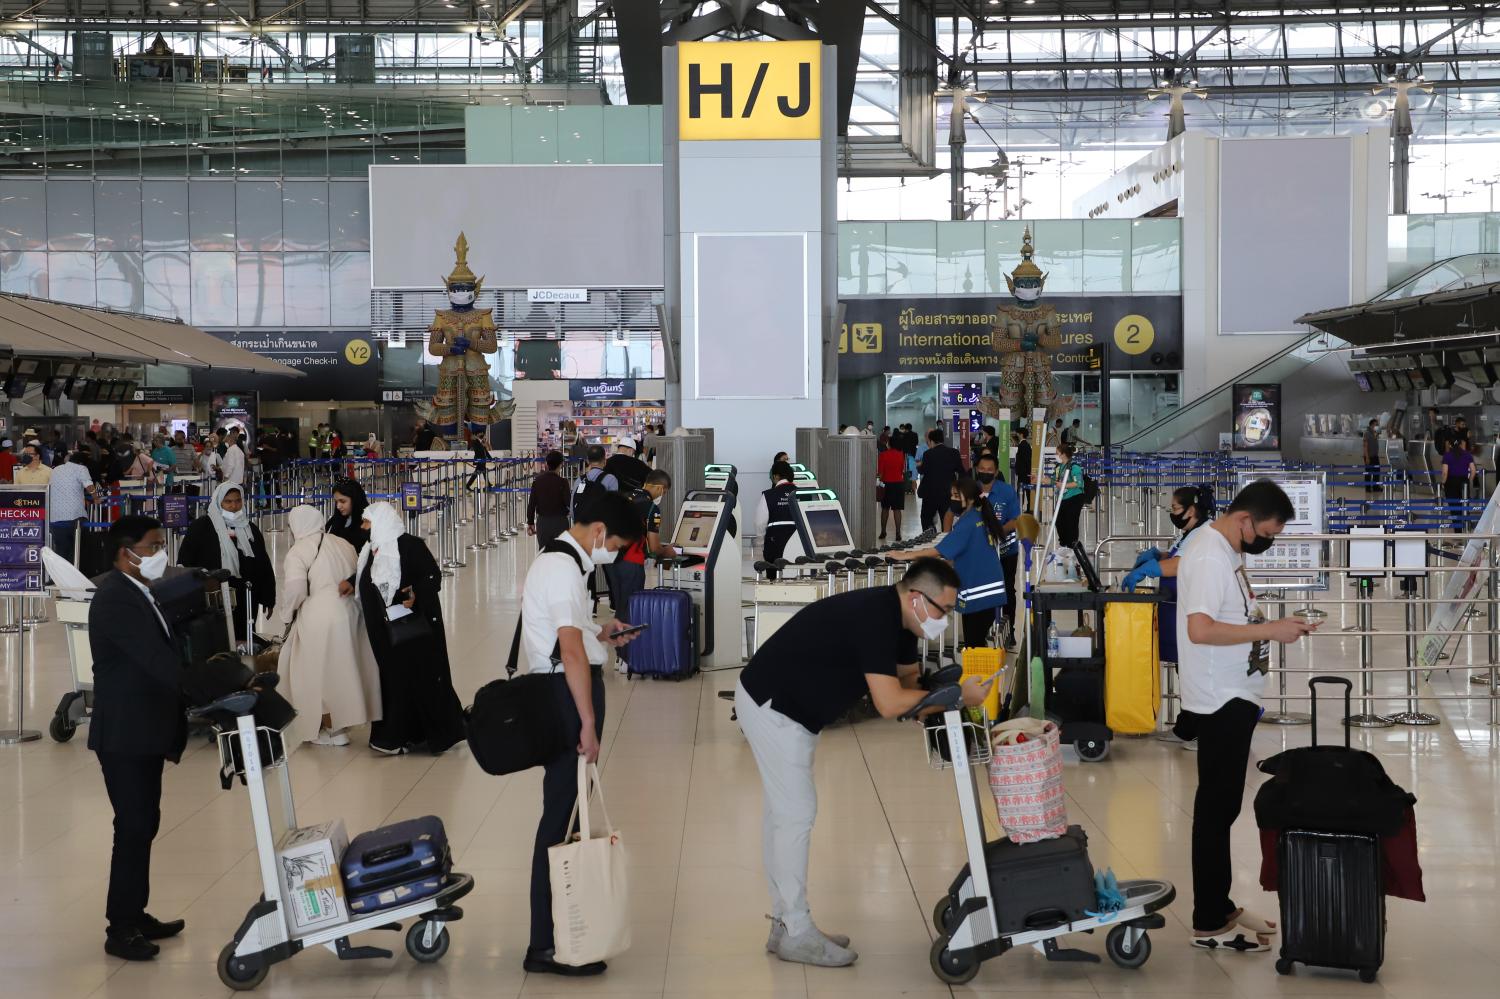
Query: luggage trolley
x,y
257,756
968,930
76,706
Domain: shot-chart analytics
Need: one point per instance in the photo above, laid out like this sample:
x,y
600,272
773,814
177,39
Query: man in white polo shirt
x,y
1223,651
559,637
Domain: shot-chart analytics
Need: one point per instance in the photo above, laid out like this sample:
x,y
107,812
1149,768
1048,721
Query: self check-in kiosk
x,y
821,526
709,570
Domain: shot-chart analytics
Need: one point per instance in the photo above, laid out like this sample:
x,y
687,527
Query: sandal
x,y
1255,924
1233,940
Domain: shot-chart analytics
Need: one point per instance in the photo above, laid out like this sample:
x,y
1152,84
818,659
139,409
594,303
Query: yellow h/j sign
x,y
749,90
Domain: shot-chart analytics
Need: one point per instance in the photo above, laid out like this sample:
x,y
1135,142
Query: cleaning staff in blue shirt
x,y
970,546
1007,503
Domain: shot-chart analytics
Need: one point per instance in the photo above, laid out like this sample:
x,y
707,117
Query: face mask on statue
x,y
461,298
1026,294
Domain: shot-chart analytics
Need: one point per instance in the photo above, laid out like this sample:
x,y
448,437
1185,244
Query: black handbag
x,y
414,627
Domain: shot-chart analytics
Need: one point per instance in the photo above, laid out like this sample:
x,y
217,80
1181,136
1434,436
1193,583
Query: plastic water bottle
x,y
1054,642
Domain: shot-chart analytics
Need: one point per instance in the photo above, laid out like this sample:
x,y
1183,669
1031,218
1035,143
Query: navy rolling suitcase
x,y
395,864
669,646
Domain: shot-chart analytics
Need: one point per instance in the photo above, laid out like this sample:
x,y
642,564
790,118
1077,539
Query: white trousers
x,y
784,754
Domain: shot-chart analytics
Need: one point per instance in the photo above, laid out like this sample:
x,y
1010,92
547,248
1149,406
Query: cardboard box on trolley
x,y
308,862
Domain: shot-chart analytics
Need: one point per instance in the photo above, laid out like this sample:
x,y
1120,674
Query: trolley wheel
x,y
945,915
418,950
1122,953
61,729
1284,966
241,973
950,967
1367,975
1092,750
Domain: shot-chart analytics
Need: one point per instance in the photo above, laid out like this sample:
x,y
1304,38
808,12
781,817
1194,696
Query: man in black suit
x,y
1021,472
138,724
940,467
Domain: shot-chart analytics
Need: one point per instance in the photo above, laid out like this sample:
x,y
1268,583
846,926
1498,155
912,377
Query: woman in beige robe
x,y
326,657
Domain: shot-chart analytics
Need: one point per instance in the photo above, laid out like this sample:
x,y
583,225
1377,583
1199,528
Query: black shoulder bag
x,y
514,723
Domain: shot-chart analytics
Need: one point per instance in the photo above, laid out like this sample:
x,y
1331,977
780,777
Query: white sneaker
x,y
778,933
1171,738
814,948
327,738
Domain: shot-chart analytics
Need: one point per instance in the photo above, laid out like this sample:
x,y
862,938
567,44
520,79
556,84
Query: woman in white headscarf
x,y
397,575
326,656
225,538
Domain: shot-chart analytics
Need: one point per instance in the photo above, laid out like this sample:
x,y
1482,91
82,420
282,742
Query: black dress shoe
x,y
154,929
541,963
130,947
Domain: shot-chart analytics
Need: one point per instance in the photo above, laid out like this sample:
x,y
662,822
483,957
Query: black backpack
x,y
514,723
1090,489
587,491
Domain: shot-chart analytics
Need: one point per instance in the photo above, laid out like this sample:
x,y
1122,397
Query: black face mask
x,y
984,478
1179,520
956,507
1257,545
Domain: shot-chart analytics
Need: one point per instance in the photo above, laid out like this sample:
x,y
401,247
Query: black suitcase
x,y
1331,887
1332,901
1038,885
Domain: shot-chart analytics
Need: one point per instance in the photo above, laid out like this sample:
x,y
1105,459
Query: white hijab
x,y
386,529
230,549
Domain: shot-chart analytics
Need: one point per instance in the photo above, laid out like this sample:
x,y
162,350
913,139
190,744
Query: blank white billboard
x,y
1286,230
528,226
750,315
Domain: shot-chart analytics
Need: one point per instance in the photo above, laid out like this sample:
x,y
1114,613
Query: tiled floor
x,y
683,788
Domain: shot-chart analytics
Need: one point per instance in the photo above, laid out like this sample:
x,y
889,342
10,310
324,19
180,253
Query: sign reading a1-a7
x,y
749,90
23,520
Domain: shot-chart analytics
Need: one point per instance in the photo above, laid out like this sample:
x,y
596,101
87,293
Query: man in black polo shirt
x,y
808,674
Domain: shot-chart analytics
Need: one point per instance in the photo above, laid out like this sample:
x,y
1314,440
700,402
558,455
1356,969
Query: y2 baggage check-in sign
x,y
749,90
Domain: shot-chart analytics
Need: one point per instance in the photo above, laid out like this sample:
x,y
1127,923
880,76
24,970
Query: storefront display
x,y
606,421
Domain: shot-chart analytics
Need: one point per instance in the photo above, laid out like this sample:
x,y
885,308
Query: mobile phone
x,y
634,630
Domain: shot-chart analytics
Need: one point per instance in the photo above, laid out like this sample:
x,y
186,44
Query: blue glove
x,y
1149,569
1147,555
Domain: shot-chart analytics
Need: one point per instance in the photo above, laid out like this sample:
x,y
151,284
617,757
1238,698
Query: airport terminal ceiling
x,y
1057,95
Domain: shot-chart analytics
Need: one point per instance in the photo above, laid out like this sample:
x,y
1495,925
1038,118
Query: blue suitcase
x,y
395,864
668,648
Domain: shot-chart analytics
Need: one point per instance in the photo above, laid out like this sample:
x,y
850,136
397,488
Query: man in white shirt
x,y
210,464
234,459
1223,651
559,638
68,493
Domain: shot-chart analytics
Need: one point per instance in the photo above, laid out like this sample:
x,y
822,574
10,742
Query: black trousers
x,y
549,526
1008,613
976,628
1223,754
559,793
1067,520
1372,478
134,787
932,510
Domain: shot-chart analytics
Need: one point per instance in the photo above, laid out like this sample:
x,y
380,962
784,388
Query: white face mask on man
x,y
600,554
152,566
932,627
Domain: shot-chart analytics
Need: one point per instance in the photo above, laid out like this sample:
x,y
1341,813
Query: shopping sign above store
x,y
749,90
583,391
891,335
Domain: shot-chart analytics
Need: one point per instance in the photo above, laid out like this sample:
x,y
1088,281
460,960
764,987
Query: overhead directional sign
x,y
749,90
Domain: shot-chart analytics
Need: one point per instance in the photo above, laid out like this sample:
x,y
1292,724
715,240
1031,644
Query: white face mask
x,y
1028,294
461,298
603,556
152,566
233,517
932,627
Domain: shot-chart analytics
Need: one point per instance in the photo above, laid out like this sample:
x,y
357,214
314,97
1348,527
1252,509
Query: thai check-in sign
x,y
749,90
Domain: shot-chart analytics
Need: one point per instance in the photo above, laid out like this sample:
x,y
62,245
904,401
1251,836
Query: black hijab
x,y
348,527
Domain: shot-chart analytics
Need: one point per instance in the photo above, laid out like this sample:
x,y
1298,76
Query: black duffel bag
x,y
514,724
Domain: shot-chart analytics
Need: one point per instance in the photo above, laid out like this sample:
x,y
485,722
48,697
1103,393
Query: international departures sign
x,y
749,90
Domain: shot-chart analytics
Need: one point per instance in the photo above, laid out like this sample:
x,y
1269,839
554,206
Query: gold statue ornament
x,y
1026,333
462,336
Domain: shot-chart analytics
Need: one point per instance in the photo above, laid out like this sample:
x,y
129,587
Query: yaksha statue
x,y
462,336
1026,333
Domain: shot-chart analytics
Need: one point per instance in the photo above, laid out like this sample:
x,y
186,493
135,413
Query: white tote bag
x,y
590,897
